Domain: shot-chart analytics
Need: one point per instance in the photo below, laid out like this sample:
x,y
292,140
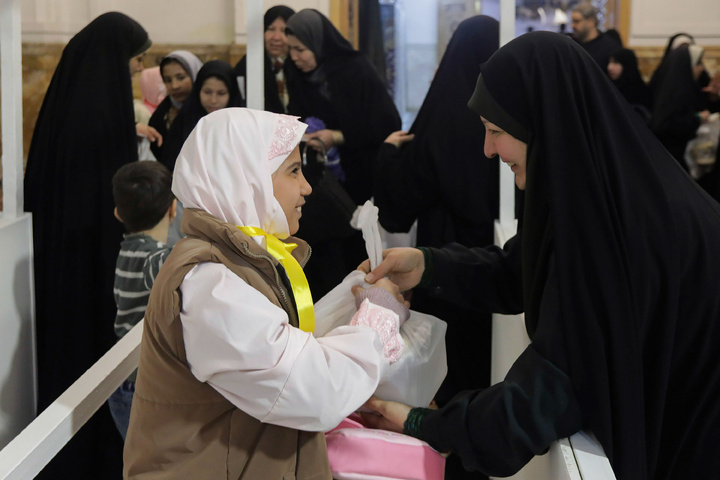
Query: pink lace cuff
x,y
383,298
386,324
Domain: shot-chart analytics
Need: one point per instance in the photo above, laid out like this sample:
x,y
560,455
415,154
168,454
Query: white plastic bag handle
x,y
368,223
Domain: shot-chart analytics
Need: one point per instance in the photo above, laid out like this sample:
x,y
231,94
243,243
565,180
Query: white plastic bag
x,y
415,378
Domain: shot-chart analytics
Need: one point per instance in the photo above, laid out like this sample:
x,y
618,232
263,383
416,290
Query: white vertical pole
x,y
11,106
255,55
507,178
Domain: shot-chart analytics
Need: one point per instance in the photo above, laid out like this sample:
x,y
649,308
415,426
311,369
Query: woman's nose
x,y
489,147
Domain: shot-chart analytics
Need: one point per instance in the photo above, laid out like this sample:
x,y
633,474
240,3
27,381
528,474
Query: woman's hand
x,y
149,132
400,137
385,415
404,266
386,285
325,136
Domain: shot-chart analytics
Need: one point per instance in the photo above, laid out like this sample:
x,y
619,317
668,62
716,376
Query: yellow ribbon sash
x,y
301,290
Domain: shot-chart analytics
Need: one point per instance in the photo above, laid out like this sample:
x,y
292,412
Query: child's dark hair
x,y
142,193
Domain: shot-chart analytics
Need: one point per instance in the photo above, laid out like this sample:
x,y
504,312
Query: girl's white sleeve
x,y
242,345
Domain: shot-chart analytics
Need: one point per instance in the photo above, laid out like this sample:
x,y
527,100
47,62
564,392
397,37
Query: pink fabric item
x,y
284,136
387,325
152,87
356,452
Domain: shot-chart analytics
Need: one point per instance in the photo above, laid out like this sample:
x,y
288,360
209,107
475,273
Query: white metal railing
x,y
28,453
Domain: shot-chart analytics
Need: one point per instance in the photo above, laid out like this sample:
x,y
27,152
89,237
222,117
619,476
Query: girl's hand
x,y
386,285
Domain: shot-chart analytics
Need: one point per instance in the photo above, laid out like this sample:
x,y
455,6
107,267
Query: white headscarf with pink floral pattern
x,y
225,166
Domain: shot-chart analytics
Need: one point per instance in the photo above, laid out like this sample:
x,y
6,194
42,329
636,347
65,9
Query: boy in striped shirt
x,y
145,204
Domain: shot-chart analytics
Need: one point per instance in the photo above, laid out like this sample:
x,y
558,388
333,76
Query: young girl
x,y
231,381
215,87
178,70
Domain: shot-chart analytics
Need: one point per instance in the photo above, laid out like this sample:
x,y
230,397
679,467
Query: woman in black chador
x,y
84,133
442,180
679,102
337,91
275,60
340,86
624,73
618,280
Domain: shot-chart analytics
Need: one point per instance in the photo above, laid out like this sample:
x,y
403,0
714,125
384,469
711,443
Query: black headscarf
x,y
85,131
659,72
192,110
278,11
318,34
630,82
630,242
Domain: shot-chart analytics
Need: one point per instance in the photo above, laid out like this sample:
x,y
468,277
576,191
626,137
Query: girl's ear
x,y
117,216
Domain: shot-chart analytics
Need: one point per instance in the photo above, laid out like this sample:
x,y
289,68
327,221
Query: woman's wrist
x,y
428,271
414,421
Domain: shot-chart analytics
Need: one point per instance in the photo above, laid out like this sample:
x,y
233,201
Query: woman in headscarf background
x,y
275,61
228,338
85,131
178,70
215,87
338,86
442,180
618,281
678,101
674,42
624,73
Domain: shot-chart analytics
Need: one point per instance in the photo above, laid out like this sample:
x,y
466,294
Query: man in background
x,y
584,22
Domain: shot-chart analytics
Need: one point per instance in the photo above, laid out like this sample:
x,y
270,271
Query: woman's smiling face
x,y
510,150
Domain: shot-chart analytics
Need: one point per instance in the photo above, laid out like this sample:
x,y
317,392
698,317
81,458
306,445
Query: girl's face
x,y
303,57
614,69
214,94
276,43
177,81
290,189
512,151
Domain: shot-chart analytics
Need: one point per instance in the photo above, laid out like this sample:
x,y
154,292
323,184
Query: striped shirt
x,y
138,263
